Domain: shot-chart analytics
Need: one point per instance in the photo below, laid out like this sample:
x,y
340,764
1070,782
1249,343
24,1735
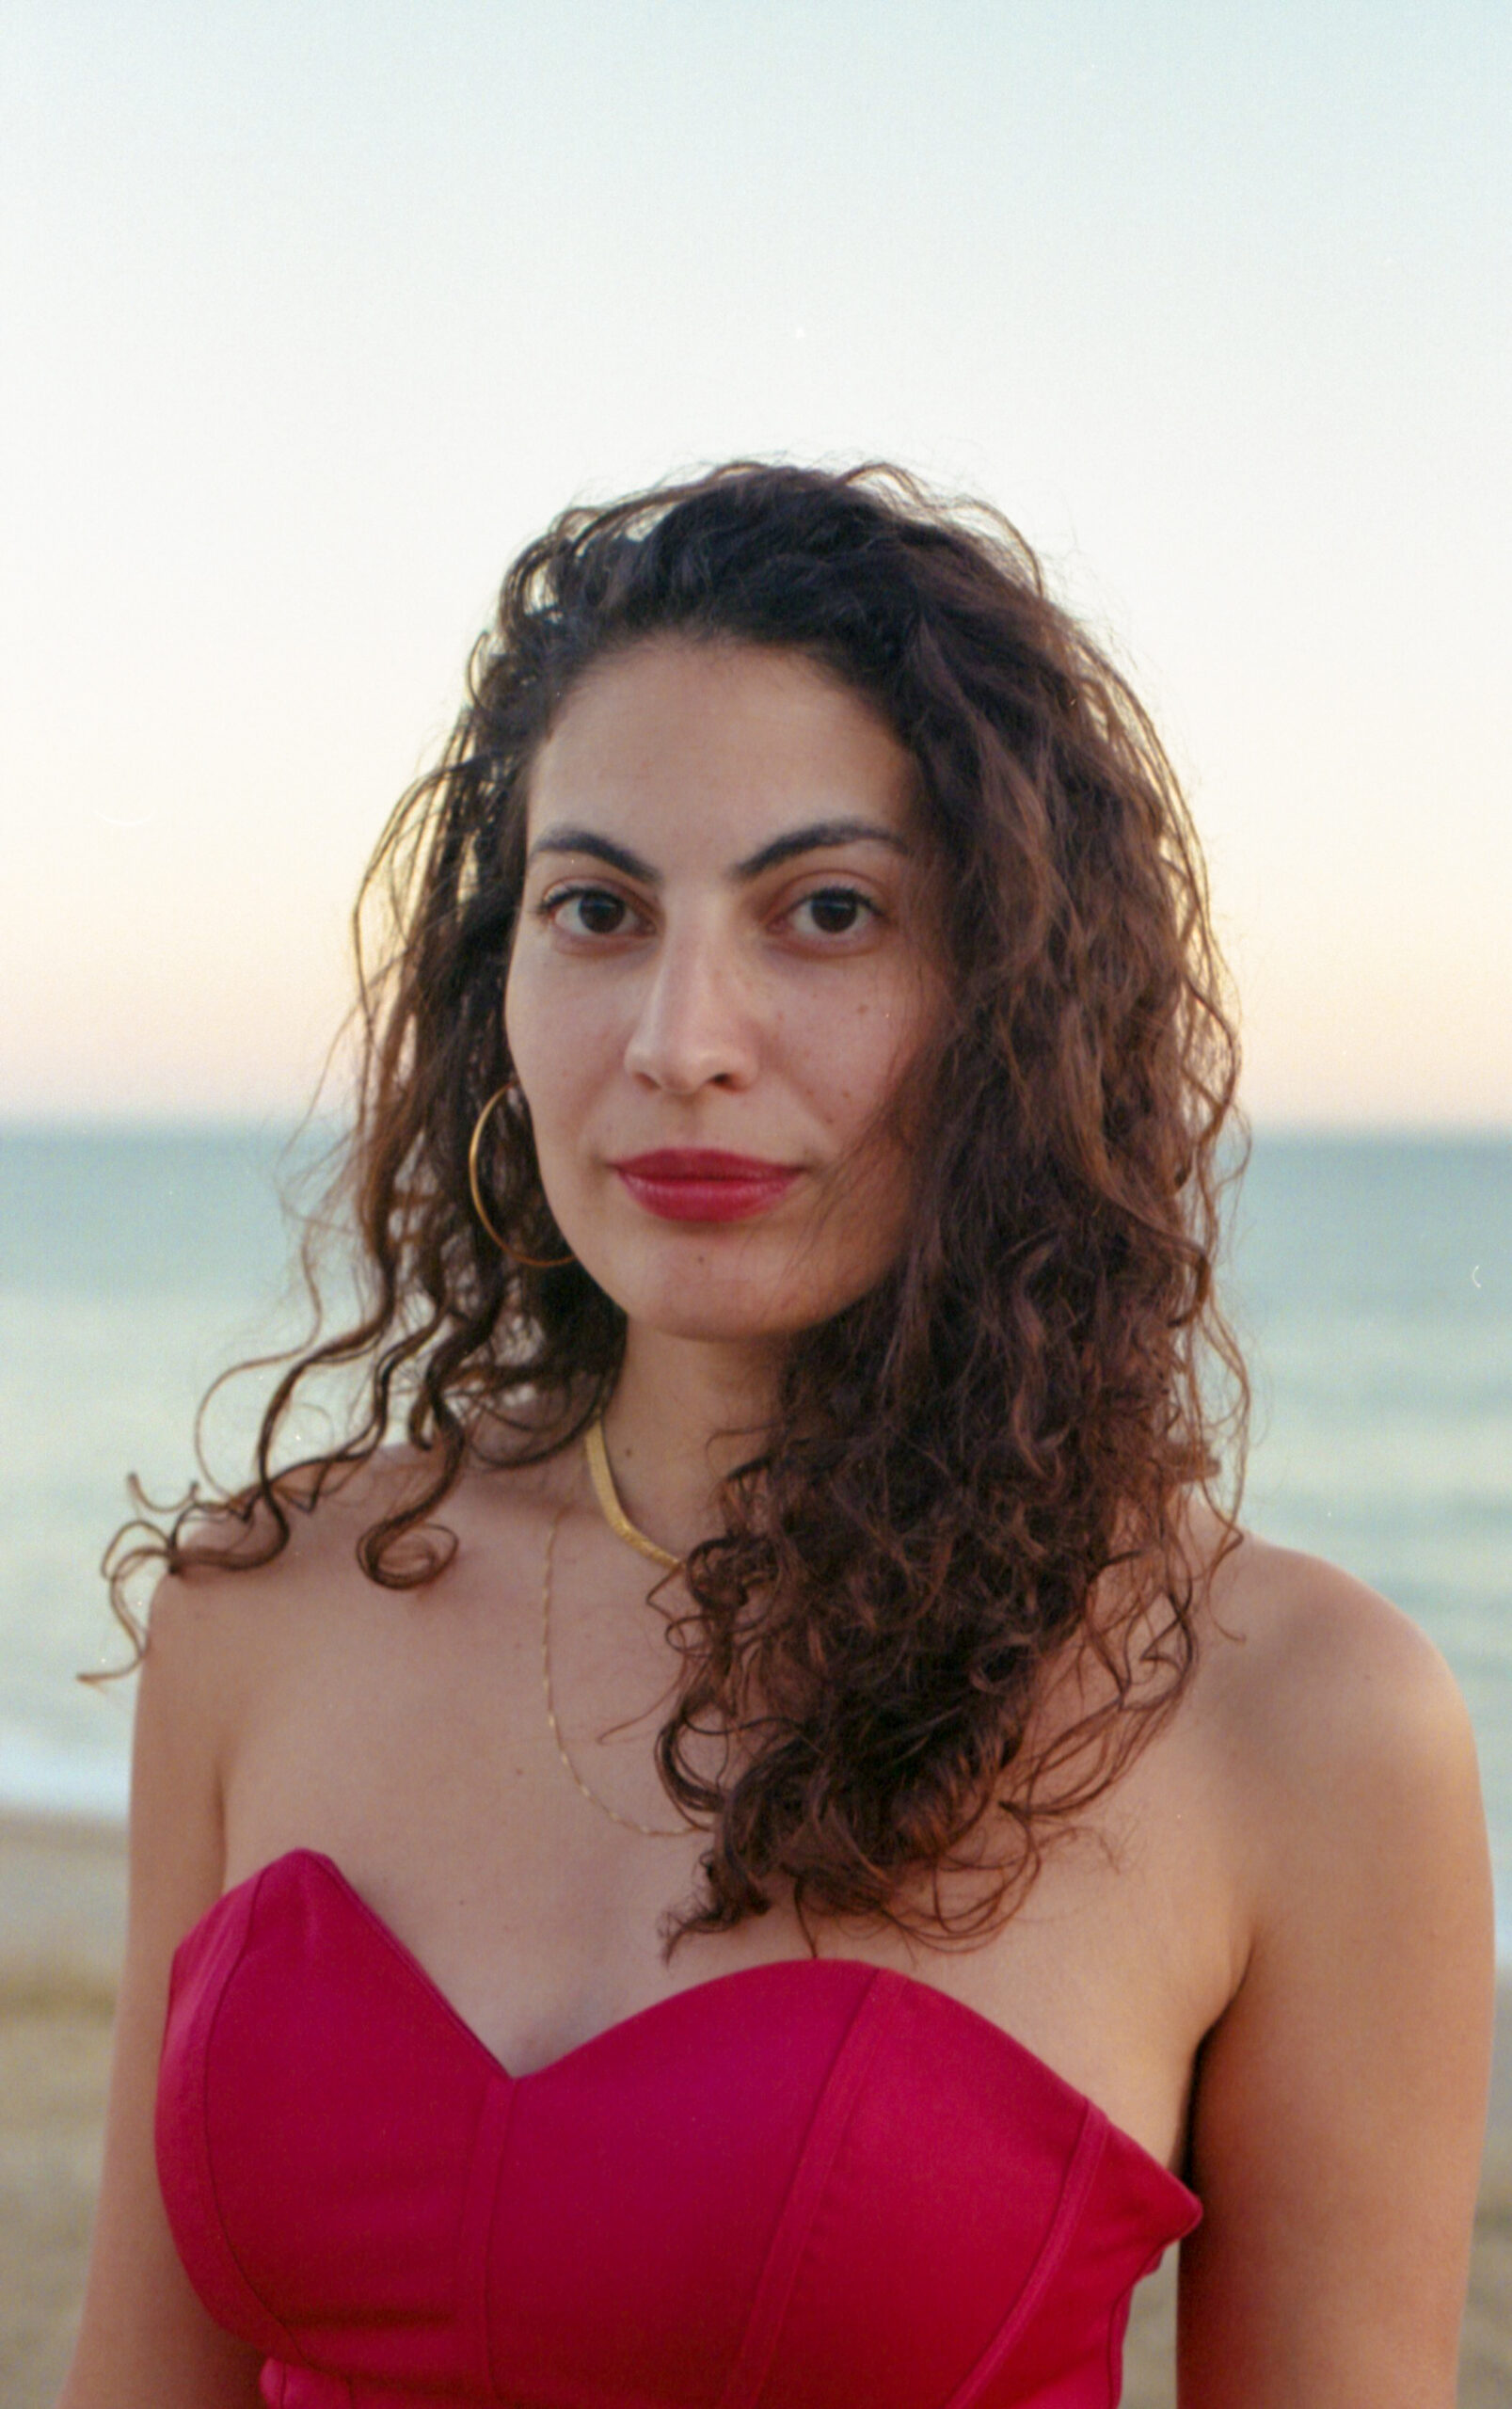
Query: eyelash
x,y
551,904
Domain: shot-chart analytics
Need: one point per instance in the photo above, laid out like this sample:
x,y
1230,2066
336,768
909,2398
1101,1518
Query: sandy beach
x,y
61,1902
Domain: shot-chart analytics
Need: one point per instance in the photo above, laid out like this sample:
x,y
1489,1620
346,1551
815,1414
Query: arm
x,y
1339,2104
144,2342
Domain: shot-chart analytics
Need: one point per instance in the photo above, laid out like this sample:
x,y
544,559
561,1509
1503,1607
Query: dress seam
x,y
495,2123
207,2169
1075,2189
805,2193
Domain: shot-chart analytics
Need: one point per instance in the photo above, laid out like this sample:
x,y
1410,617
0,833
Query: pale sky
x,y
313,310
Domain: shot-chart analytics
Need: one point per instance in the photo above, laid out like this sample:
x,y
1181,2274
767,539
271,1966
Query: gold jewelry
x,y
628,1823
610,1507
532,1262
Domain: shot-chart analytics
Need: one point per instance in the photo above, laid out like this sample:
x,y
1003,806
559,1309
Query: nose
x,y
695,1028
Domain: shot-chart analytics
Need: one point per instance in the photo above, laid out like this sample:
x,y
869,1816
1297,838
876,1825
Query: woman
x,y
833,1967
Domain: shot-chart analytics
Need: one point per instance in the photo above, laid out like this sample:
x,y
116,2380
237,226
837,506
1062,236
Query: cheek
x,y
533,1029
561,1056
853,1060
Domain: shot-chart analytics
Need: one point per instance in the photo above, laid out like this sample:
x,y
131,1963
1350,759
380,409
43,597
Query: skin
x,y
1267,1956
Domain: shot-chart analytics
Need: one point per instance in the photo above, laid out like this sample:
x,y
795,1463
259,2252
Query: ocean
x,y
1370,1280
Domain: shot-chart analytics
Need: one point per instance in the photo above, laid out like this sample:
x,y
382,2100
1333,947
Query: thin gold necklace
x,y
620,1524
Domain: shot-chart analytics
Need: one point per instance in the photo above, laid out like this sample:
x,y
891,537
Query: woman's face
x,y
724,948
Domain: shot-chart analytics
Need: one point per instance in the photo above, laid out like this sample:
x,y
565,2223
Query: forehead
x,y
736,734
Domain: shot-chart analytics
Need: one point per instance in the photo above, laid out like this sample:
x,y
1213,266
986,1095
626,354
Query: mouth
x,y
701,1184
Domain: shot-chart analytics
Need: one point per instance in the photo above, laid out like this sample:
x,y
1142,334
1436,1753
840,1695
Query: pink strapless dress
x,y
810,2185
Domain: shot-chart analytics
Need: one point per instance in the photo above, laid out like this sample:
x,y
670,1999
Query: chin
x,y
692,1308
727,1304
686,1294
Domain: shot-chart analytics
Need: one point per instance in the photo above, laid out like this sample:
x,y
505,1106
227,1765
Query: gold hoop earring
x,y
531,1262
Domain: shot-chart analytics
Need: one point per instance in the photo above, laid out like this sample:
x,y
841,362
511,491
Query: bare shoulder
x,y
261,1601
1340,2099
1322,1686
311,1552
243,1577
224,1642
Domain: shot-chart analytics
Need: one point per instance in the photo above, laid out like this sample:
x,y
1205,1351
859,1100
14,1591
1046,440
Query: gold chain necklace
x,y
620,1524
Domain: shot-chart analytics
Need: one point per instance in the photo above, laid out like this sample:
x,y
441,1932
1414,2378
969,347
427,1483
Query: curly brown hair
x,y
1025,1401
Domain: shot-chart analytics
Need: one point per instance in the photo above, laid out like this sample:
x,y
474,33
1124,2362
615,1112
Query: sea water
x,y
1371,1279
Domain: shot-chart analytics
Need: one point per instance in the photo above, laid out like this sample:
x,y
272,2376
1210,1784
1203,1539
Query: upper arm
x,y
145,2340
1340,2103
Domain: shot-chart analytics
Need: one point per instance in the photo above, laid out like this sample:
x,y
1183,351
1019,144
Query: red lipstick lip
x,y
703,1163
701,1184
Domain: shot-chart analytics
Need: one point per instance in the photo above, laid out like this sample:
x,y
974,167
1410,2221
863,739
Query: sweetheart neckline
x,y
346,1889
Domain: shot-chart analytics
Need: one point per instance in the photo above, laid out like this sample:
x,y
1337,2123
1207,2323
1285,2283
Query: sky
x,y
313,312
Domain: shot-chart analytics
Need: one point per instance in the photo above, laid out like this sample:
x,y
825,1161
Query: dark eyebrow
x,y
782,849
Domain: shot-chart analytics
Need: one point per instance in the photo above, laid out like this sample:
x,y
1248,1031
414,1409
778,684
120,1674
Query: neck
x,y
684,1413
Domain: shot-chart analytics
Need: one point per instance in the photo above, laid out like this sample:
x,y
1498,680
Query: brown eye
x,y
597,912
837,910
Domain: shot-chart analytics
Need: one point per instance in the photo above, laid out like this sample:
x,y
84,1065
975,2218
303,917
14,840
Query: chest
x,y
411,1744
815,2182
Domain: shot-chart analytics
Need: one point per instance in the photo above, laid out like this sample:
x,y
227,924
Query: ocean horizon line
x,y
1287,1128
